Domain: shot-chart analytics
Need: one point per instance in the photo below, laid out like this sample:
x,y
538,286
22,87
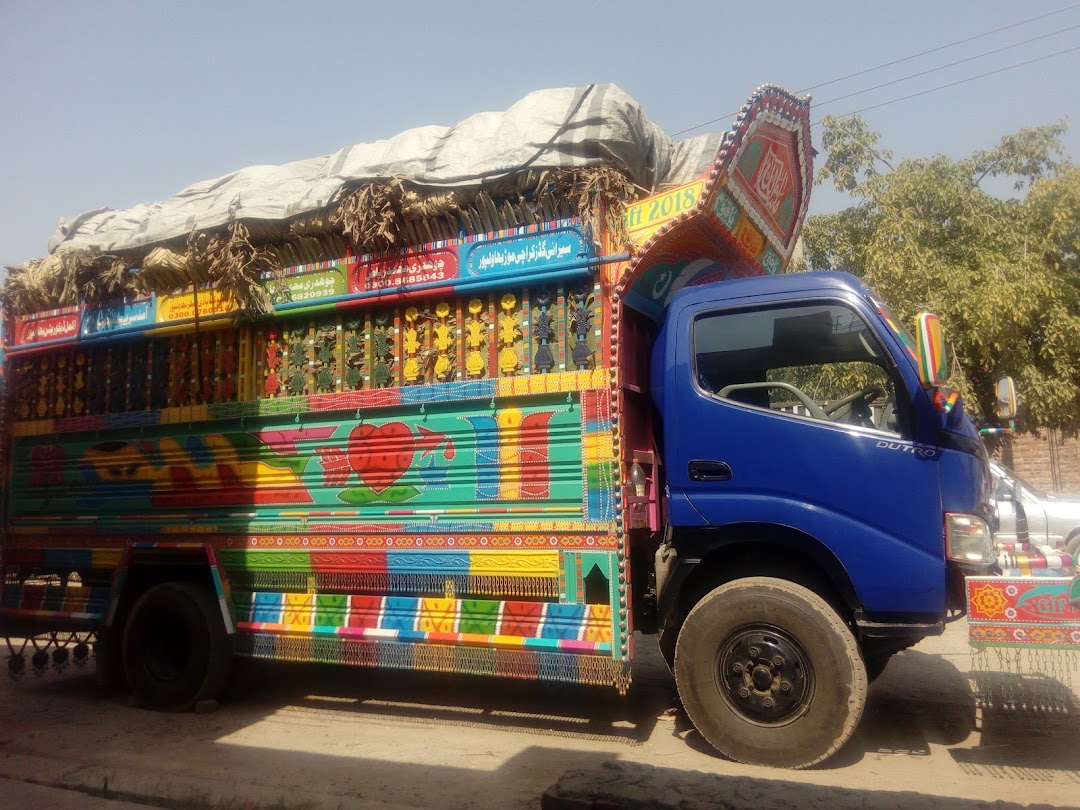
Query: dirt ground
x,y
291,736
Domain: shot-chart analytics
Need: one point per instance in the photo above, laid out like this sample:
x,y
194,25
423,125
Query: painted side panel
x,y
452,467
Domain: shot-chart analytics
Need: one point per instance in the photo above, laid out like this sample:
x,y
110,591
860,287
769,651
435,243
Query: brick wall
x,y
1048,461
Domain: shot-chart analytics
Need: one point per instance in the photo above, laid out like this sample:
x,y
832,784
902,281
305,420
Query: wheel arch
x,y
712,557
145,565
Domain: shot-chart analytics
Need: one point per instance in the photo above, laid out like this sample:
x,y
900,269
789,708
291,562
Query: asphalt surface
x,y
28,796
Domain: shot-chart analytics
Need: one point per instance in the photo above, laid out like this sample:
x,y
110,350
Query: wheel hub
x,y
765,675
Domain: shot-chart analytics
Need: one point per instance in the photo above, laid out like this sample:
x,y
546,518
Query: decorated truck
x,y
487,399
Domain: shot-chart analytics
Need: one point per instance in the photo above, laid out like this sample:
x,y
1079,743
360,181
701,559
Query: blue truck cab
x,y
804,457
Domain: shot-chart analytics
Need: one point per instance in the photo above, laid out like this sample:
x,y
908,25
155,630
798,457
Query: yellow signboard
x,y
643,218
182,306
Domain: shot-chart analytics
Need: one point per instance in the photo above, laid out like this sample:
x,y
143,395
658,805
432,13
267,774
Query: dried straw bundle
x,y
372,218
237,266
379,216
167,269
67,278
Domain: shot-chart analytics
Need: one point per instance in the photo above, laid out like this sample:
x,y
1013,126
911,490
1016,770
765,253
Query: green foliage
x,y
1004,275
827,383
853,152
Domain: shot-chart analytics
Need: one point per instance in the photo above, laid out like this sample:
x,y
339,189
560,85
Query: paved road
x,y
293,736
29,796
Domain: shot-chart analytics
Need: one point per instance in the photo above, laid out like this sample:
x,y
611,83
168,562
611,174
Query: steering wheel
x,y
887,419
860,400
811,406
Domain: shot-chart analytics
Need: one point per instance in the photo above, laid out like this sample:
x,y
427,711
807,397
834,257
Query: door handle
x,y
709,470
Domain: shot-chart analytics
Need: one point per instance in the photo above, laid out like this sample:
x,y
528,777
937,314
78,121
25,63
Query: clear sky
x,y
126,101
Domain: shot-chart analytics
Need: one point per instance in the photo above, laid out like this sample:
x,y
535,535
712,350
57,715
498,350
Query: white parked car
x,y
1051,520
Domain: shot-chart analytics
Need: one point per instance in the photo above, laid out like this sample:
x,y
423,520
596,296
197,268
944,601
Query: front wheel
x,y
175,650
769,673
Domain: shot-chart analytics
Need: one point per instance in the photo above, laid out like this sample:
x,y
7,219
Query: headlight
x,y
968,539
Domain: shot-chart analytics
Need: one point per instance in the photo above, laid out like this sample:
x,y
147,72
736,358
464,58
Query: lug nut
x,y
767,703
785,687
754,652
777,661
744,693
737,669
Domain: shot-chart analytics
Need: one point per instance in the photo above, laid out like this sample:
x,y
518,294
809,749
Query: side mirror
x,y
930,349
1006,398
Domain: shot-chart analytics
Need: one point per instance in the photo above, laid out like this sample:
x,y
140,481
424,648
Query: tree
x,y
1003,274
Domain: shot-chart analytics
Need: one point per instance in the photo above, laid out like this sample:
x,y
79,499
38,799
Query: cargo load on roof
x,y
555,153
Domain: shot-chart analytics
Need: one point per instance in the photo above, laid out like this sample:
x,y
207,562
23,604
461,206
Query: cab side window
x,y
819,361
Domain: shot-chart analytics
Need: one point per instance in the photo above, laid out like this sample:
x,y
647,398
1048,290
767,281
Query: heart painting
x,y
381,454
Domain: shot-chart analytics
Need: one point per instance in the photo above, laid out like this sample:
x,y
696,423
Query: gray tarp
x,y
549,129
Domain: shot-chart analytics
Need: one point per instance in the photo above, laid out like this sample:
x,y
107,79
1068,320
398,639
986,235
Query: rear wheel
x,y
769,673
175,650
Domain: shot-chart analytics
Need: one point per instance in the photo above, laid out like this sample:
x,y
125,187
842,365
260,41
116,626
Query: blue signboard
x,y
118,317
515,255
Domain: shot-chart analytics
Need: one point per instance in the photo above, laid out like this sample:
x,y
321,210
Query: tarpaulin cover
x,y
564,128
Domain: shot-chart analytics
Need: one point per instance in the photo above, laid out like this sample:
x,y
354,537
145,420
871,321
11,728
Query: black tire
x,y
176,651
769,674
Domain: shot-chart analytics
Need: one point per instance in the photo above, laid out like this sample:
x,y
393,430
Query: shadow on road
x,y
64,724
61,732
1030,728
594,713
920,700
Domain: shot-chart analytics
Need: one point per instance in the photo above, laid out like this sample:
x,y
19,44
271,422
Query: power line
x,y
728,116
949,65
942,47
954,84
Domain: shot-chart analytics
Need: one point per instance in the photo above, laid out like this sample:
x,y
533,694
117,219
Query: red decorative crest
x,y
767,172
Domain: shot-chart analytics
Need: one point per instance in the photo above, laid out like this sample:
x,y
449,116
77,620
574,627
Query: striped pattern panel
x,y
77,603
572,628
505,572
489,661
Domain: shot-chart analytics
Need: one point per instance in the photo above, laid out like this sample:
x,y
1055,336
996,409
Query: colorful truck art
x,y
445,462
417,461
1024,632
